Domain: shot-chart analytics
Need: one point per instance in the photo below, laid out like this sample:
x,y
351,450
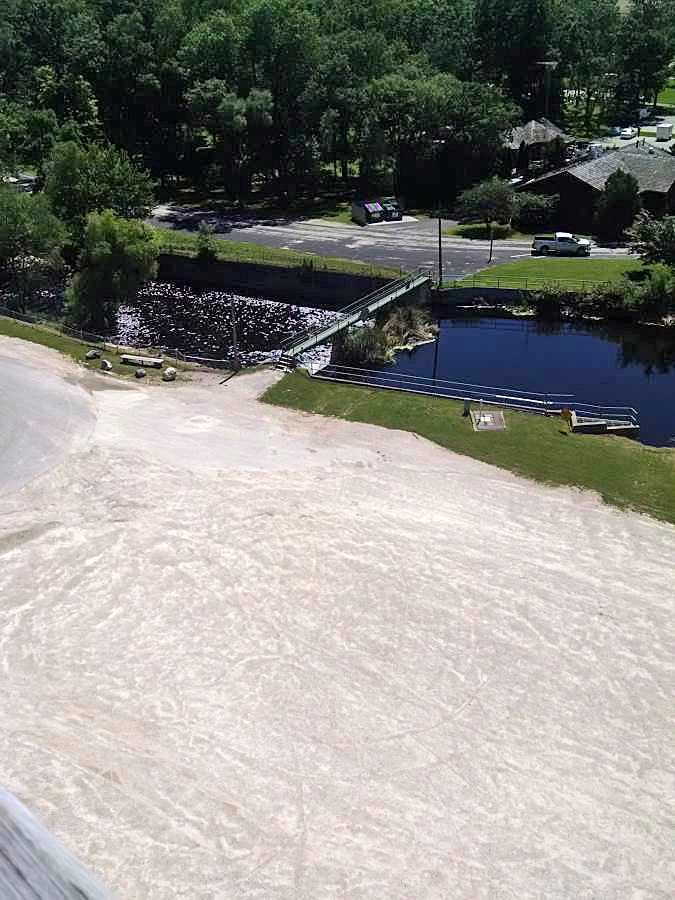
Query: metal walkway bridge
x,y
355,312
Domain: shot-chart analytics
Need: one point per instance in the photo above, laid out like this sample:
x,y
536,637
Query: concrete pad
x,y
252,653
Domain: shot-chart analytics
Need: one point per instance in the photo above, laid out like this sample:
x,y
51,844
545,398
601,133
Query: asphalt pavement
x,y
405,245
40,416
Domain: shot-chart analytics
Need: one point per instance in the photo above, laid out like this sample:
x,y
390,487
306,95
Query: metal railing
x,y
354,310
515,283
543,403
626,415
539,402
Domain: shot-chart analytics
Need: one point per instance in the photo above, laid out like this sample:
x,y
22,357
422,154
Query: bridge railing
x,y
361,304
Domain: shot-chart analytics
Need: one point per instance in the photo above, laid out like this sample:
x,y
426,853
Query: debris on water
x,y
168,317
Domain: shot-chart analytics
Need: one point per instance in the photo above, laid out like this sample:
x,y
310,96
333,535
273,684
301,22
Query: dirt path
x,y
251,653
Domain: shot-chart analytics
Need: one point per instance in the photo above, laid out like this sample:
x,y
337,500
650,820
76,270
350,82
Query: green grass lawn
x,y
625,473
667,95
76,349
238,251
537,270
341,212
476,231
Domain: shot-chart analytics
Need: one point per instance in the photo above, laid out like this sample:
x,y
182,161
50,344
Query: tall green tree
x,y
30,240
618,205
489,202
81,180
118,257
653,240
645,49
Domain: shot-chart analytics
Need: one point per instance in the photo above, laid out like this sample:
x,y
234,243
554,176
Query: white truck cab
x,y
562,243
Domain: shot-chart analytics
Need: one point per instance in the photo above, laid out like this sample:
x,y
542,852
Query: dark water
x,y
168,316
603,364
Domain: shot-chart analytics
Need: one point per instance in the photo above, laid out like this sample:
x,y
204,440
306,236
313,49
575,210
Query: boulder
x,y
140,373
92,354
169,374
106,366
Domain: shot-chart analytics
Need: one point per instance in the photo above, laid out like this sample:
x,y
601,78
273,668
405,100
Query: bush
x,y
364,346
552,301
535,211
206,248
407,326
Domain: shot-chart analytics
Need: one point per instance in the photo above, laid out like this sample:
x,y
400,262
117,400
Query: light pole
x,y
548,65
236,363
439,144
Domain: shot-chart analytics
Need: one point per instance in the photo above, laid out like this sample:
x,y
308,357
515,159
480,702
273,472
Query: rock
x,y
169,374
106,366
92,354
140,373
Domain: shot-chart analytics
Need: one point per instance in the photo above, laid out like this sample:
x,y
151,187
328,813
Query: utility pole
x,y
549,66
440,249
236,362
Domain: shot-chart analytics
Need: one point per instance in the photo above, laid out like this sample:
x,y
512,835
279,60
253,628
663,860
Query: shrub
x,y
408,325
535,211
363,346
206,248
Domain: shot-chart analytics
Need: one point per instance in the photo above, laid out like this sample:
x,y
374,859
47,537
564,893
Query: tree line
x,y
414,94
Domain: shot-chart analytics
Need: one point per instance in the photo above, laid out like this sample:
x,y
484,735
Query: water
x,y
168,316
601,363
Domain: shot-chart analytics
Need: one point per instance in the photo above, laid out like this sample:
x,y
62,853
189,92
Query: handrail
x,y
513,398
355,307
467,384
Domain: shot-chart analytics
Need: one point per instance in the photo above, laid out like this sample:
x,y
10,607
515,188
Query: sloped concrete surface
x,y
249,653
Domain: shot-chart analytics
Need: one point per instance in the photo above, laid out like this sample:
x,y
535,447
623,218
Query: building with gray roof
x,y
580,184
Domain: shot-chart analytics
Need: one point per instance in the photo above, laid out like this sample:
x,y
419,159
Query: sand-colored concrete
x,y
248,653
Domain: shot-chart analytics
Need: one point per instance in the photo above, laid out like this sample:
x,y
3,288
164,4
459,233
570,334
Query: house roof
x,y
653,168
536,131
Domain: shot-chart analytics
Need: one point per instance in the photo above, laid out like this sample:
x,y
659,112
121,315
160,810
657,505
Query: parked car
x,y
562,243
366,211
392,209
627,134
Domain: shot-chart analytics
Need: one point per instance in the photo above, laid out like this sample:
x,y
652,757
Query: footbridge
x,y
356,312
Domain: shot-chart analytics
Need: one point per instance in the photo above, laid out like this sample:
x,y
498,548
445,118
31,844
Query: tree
x,y
30,240
81,180
645,48
653,239
489,202
618,205
514,36
117,258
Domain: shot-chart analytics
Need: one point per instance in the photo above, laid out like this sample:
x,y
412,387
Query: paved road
x,y
407,245
40,416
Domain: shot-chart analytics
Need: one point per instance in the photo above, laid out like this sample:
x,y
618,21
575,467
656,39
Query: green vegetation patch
x,y
537,271
477,231
238,251
625,473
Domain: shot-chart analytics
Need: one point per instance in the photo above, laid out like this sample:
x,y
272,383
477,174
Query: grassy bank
x,y
623,472
76,349
539,270
238,251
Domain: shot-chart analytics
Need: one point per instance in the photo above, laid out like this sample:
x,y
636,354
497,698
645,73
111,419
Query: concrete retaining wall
x,y
463,296
306,287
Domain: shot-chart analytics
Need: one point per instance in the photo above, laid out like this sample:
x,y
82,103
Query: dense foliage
x,y
118,257
279,92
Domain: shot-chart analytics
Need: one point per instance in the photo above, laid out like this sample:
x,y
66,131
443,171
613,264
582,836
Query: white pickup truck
x,y
562,243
